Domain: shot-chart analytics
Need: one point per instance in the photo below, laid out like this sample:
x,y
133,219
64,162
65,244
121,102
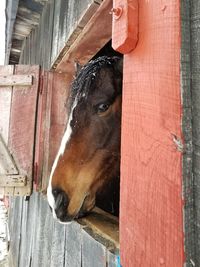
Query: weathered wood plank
x,y
55,32
48,19
188,175
7,164
5,107
195,92
105,225
32,46
15,80
46,167
12,180
77,14
5,102
41,131
56,117
42,243
73,244
9,191
93,252
25,242
29,229
15,230
58,246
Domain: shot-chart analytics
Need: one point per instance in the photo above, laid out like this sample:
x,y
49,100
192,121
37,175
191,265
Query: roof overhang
x,y
21,17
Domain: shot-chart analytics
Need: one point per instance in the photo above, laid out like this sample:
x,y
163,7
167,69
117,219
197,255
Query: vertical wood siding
x,y
195,85
38,240
60,24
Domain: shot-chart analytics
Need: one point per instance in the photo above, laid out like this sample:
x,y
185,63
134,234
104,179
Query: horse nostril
x,y
61,200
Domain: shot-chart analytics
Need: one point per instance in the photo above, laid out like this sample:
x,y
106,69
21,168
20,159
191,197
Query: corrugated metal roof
x,y
21,17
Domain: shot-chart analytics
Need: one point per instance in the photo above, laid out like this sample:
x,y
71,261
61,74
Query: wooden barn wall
x,y
195,89
38,240
61,22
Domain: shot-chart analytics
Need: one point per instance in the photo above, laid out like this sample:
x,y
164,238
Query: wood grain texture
x,y
7,164
41,131
42,239
73,245
95,34
38,240
151,219
195,91
93,254
188,177
5,102
15,229
22,125
5,106
76,14
105,225
47,20
55,119
12,180
15,80
26,234
58,245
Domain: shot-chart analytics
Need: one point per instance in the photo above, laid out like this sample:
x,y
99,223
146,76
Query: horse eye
x,y
102,108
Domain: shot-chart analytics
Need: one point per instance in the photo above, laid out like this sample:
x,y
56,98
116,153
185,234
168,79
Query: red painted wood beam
x,y
151,219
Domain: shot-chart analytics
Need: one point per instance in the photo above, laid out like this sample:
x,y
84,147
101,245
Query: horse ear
x,y
119,65
78,67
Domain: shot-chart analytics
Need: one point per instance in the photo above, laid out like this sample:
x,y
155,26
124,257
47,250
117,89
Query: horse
x,y
89,155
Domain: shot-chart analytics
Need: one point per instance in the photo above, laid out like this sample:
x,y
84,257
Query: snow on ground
x,y
3,243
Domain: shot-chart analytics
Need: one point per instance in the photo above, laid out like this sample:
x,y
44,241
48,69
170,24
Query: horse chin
x,y
86,208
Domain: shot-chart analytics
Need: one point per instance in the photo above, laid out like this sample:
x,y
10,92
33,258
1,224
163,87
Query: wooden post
x,y
151,208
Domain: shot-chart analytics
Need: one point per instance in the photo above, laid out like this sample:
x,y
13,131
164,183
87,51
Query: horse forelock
x,y
87,75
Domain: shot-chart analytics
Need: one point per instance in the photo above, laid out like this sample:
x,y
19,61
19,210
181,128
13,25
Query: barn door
x,y
151,227
18,103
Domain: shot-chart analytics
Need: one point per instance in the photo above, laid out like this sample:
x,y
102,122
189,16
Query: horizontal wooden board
x,y
104,225
12,180
16,80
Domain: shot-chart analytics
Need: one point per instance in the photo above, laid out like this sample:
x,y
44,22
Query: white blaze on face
x,y
61,150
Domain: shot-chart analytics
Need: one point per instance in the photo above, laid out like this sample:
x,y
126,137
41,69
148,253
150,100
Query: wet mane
x,y
86,76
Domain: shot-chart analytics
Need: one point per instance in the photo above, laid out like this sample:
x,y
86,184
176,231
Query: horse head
x,y
89,154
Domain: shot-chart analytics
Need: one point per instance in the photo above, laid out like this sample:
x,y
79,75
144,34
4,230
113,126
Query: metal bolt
x,y
117,12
